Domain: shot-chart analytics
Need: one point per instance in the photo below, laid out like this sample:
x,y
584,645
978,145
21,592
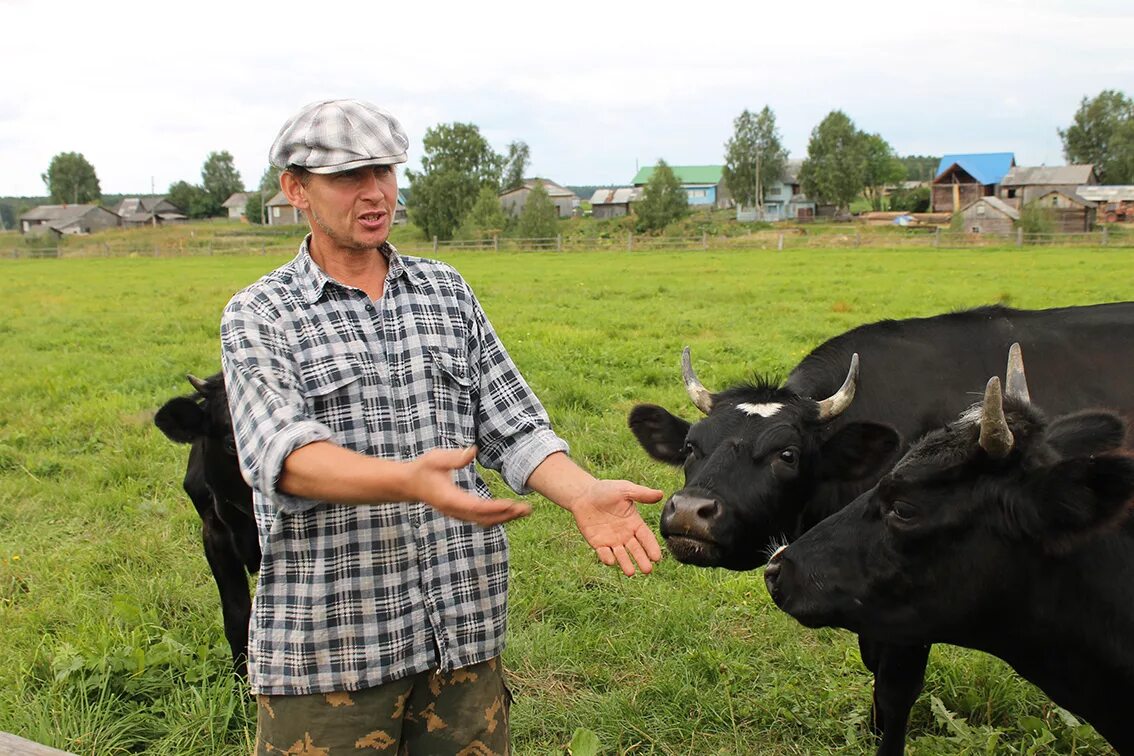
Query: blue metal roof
x,y
985,167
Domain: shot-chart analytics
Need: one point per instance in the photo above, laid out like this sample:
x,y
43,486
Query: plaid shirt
x,y
353,596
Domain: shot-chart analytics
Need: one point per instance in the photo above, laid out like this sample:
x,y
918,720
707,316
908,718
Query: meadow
x,y
110,622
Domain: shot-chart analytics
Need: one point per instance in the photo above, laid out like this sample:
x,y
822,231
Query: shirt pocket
x,y
332,386
451,391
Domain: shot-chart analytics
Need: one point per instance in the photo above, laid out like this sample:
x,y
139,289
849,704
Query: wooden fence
x,y
787,239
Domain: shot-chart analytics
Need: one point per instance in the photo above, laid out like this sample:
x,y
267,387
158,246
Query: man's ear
x,y
857,451
1076,498
294,190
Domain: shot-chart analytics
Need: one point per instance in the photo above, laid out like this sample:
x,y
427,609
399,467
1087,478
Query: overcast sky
x,y
146,90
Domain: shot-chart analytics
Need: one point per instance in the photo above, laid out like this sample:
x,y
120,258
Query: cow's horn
x,y
701,396
1016,383
834,405
197,383
995,435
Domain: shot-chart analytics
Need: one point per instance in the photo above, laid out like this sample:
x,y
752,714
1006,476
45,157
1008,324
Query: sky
x,y
145,91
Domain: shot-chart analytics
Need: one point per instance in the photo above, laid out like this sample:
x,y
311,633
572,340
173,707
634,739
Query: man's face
x,y
353,210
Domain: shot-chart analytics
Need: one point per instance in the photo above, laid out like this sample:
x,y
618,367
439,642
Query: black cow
x,y
768,462
1003,532
222,498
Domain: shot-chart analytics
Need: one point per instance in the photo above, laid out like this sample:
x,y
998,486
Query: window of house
x,y
275,212
980,211
1011,194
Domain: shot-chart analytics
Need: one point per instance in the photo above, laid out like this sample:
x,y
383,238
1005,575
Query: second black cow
x,y
222,498
769,461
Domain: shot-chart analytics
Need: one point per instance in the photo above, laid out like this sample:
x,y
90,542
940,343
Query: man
x,y
362,384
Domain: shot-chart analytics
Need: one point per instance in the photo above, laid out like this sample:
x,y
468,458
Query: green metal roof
x,y
686,174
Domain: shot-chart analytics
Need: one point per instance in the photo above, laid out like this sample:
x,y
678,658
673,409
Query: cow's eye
x,y
690,450
902,510
230,445
788,456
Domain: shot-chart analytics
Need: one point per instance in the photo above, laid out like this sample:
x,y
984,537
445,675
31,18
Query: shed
x,y
963,178
614,203
989,215
565,200
281,213
1070,213
1114,202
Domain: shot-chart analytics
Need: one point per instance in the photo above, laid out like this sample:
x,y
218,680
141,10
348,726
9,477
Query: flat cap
x,y
330,136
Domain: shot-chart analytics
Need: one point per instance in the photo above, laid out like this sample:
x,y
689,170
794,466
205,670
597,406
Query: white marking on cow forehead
x,y
763,410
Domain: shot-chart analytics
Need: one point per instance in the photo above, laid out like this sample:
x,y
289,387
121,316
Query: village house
x,y
988,215
564,199
236,204
67,219
783,200
281,213
1024,184
704,185
962,179
148,211
1114,202
1069,212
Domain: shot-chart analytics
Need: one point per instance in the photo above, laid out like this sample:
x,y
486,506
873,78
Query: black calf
x,y
222,498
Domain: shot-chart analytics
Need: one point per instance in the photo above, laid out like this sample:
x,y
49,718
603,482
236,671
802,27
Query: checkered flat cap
x,y
330,136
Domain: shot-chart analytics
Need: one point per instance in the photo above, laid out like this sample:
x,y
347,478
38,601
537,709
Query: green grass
x,y
111,626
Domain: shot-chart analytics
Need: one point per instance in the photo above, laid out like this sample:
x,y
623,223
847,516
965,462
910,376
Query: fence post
x,y
1019,237
1105,233
857,239
629,241
434,243
495,243
937,237
559,242
780,243
704,240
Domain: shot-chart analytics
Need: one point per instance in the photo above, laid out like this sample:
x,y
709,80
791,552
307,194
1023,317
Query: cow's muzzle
x,y
688,524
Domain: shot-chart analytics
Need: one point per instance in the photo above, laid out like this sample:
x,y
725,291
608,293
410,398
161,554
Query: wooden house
x,y
1070,213
564,199
236,204
704,185
989,215
614,203
68,219
962,179
281,213
1023,185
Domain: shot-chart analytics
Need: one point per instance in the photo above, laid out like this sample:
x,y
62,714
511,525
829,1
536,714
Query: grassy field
x,y
110,622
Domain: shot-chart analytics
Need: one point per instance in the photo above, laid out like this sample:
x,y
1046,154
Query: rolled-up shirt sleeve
x,y
268,411
514,433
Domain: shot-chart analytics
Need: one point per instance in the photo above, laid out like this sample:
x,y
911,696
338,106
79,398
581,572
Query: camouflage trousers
x,y
463,712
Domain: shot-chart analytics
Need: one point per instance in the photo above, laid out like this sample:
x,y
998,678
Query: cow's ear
x,y
857,451
1085,433
181,419
1076,498
661,434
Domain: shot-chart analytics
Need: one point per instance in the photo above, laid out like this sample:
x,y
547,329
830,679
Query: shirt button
x,y
370,308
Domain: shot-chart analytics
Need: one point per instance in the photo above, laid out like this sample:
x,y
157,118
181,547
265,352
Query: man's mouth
x,y
371,220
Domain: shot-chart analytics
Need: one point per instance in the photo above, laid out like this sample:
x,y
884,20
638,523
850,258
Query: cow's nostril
x,y
708,510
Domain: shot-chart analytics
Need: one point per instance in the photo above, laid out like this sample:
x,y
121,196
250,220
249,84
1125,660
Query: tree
x,y
439,199
270,181
920,167
515,164
191,198
540,218
1103,134
486,218
254,208
457,161
220,179
914,200
754,158
882,167
835,169
71,179
663,200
